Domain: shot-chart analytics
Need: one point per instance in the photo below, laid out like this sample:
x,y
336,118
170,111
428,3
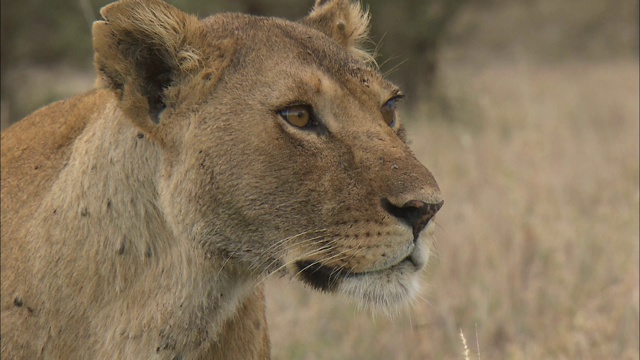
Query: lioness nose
x,y
414,213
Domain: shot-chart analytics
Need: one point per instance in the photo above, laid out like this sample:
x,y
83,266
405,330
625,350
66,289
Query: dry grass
x,y
537,245
538,239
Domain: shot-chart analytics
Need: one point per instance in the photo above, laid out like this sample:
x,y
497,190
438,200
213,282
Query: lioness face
x,y
299,163
282,149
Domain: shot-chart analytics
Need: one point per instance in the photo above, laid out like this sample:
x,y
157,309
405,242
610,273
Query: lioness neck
x,y
153,294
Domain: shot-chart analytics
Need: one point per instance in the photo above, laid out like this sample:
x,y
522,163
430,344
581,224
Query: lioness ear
x,y
345,22
141,49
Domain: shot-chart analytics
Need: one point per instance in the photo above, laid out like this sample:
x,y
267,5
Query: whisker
x,y
239,246
304,255
279,252
315,263
396,67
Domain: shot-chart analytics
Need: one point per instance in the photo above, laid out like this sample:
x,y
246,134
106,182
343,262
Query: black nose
x,y
414,213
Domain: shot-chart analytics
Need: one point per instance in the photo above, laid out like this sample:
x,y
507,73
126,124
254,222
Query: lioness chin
x,y
139,219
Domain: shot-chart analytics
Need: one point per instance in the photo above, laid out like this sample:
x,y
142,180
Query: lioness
x,y
139,220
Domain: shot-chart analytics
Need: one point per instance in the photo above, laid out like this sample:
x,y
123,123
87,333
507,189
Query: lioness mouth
x,y
327,278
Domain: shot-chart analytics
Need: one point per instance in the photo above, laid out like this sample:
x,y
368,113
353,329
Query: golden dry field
x,y
536,150
536,250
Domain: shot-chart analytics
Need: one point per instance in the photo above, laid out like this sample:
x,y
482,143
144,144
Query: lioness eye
x,y
389,111
299,115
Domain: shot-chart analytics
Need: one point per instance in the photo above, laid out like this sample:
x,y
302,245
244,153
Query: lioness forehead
x,y
278,43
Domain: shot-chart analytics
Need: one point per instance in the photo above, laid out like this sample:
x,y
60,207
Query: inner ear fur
x,y
344,21
141,48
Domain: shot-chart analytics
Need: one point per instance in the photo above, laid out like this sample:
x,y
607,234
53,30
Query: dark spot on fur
x,y
121,248
258,325
148,252
84,212
17,302
36,167
55,211
140,135
30,309
109,204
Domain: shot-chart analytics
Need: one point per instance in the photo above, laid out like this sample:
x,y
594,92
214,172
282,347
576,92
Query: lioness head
x,y
281,144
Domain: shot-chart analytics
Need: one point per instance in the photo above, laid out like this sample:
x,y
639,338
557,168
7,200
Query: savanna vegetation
x,y
527,114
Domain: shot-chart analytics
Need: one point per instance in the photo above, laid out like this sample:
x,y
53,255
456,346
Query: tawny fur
x,y
139,220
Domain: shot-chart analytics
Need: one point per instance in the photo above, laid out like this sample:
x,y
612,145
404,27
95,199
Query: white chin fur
x,y
387,289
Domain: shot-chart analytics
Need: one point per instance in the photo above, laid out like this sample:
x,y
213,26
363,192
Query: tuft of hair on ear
x,y
141,47
344,21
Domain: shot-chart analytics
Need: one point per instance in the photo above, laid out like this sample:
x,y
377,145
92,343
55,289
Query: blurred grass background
x,y
527,114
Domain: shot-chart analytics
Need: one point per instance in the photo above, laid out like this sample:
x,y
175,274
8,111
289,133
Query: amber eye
x,y
299,115
388,111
